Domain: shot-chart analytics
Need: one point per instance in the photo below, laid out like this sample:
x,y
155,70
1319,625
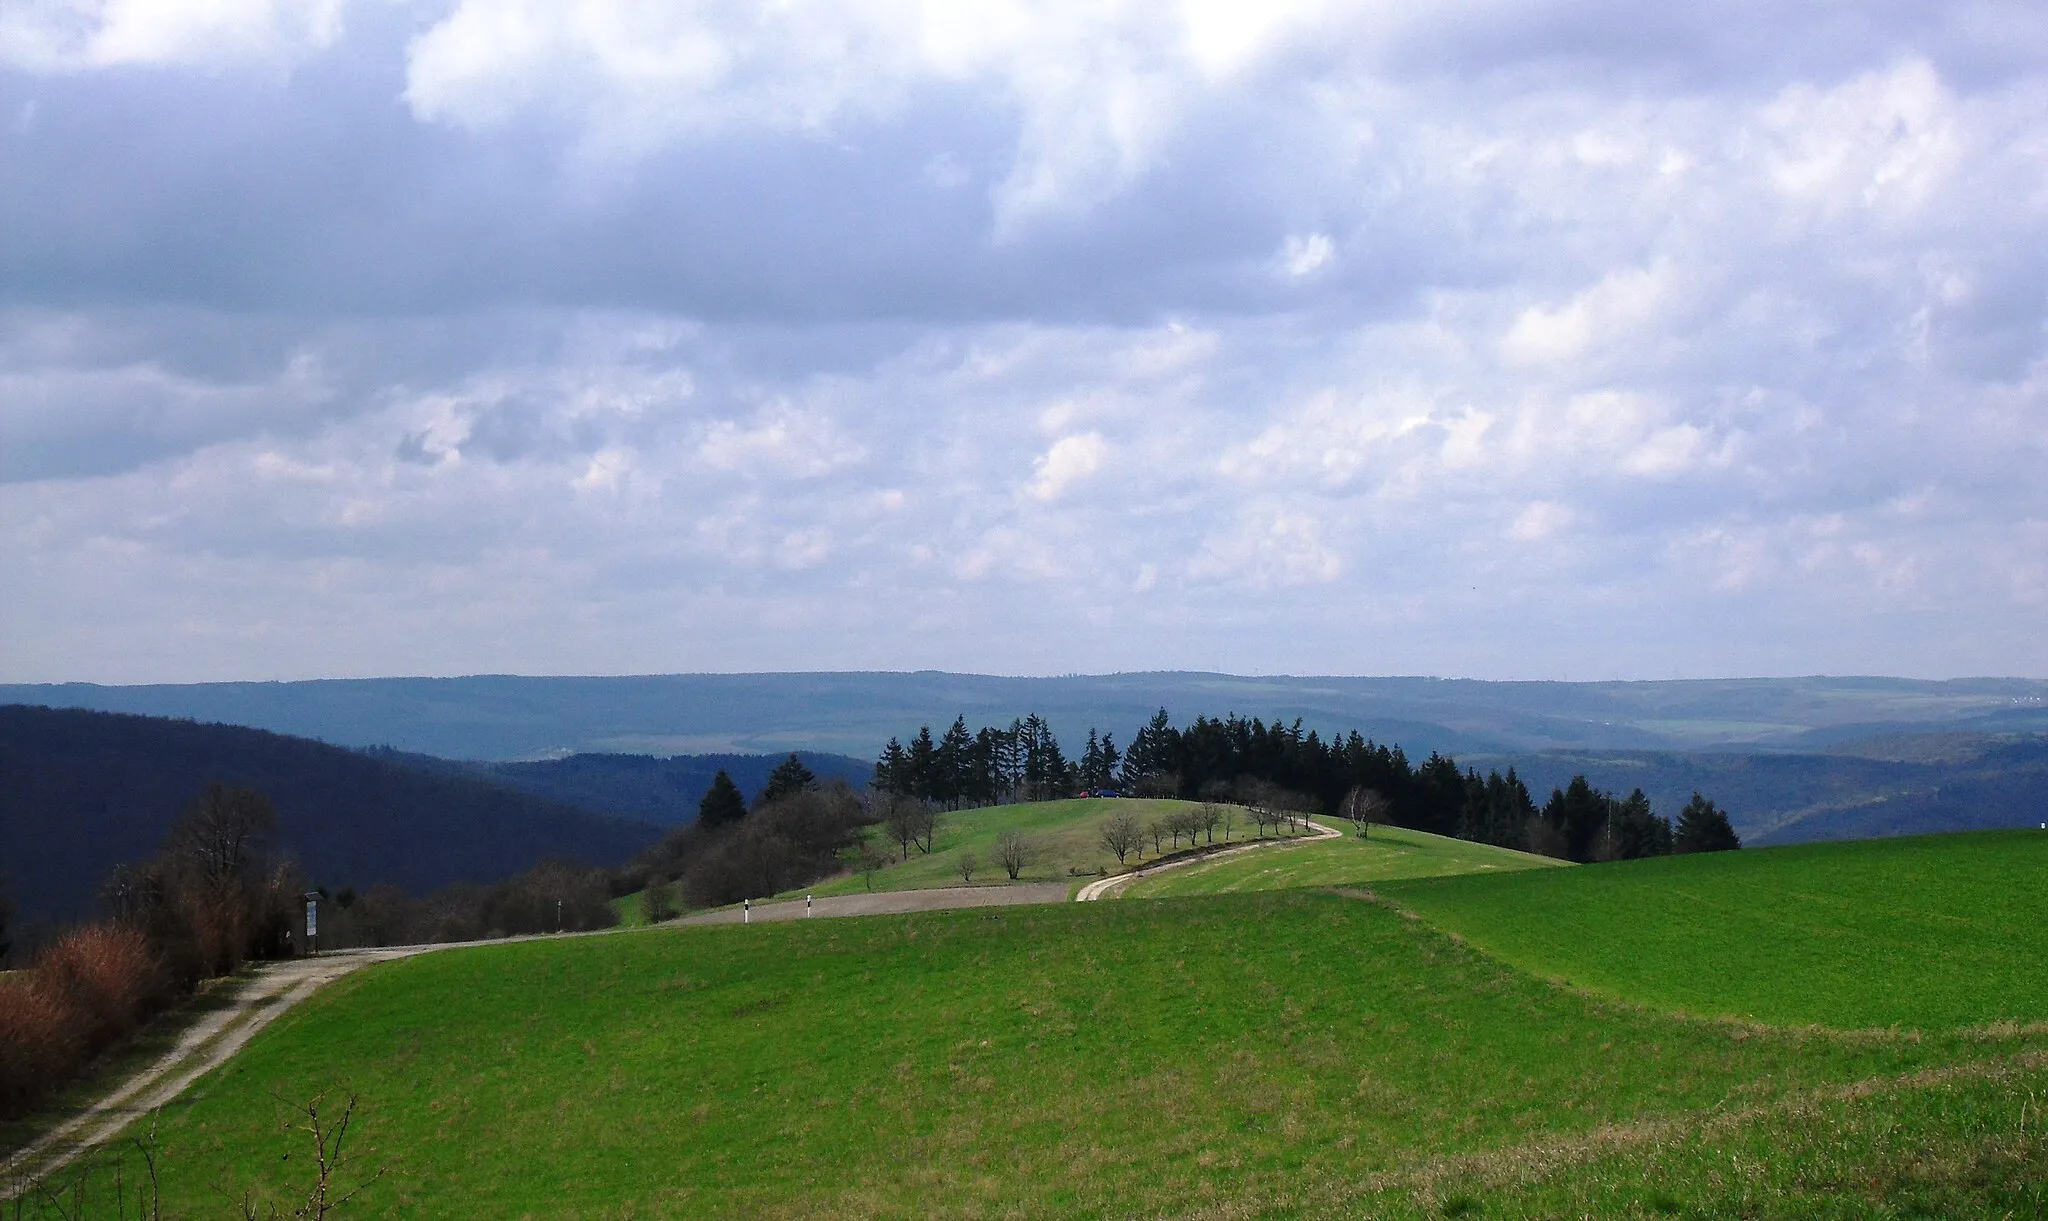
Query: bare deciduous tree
x,y
1013,852
1364,806
902,818
868,861
1122,835
966,864
928,820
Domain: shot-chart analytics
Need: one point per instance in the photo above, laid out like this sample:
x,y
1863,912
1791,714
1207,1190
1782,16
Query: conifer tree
x,y
1704,827
723,804
891,770
790,776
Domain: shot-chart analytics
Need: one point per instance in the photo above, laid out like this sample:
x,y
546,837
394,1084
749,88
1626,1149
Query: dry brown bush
x,y
108,977
39,1046
91,987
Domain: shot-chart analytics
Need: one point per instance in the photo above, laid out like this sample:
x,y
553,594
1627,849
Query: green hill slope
x,y
1934,932
1240,1055
1065,835
1392,852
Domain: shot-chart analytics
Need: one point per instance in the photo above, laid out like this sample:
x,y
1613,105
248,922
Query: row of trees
x,y
991,766
1281,766
1582,823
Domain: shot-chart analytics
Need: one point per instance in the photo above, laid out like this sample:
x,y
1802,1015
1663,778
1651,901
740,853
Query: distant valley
x,y
426,781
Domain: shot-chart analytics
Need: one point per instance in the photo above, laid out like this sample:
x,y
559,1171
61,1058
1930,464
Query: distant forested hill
x,y
641,787
509,717
81,791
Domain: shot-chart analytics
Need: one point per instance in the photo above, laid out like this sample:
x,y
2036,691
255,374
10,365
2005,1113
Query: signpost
x,y
312,920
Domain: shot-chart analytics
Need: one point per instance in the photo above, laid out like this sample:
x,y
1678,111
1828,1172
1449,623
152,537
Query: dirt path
x,y
1109,886
272,990
891,902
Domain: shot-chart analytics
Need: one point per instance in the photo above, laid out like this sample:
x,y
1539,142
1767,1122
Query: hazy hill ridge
x,y
503,717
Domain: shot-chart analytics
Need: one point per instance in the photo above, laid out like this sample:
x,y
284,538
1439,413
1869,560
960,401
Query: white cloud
x,y
1306,254
1070,460
70,35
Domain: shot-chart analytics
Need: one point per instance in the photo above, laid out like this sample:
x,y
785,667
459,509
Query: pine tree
x,y
790,776
1579,812
1704,827
922,764
891,770
723,804
1636,831
952,765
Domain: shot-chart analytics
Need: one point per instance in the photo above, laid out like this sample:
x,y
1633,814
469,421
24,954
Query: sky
x,y
1487,339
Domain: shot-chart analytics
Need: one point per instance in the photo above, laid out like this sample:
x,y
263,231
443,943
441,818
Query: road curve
x,y
1109,886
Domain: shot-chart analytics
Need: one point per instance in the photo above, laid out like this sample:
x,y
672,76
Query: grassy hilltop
x,y
1277,1053
1390,853
1066,836
1932,932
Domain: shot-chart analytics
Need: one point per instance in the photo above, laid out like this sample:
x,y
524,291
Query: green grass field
x,y
1391,852
1934,932
1280,1053
1277,1053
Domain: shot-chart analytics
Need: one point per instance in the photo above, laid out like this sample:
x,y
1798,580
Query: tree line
x,y
1281,766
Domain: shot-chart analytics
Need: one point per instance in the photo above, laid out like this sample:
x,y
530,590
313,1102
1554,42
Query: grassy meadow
x,y
1929,932
1066,836
1390,853
1276,1053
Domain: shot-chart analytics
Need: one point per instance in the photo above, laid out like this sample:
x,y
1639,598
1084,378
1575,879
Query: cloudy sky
x,y
1597,339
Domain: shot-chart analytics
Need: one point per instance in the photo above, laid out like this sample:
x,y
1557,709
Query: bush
x,y
657,902
106,976
39,1046
91,987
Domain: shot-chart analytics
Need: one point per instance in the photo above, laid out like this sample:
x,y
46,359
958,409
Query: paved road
x,y
890,902
1110,886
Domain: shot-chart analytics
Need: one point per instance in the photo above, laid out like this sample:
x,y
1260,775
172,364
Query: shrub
x,y
39,1046
89,988
106,976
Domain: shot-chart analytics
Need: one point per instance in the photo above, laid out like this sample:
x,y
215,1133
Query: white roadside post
x,y
747,911
807,906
